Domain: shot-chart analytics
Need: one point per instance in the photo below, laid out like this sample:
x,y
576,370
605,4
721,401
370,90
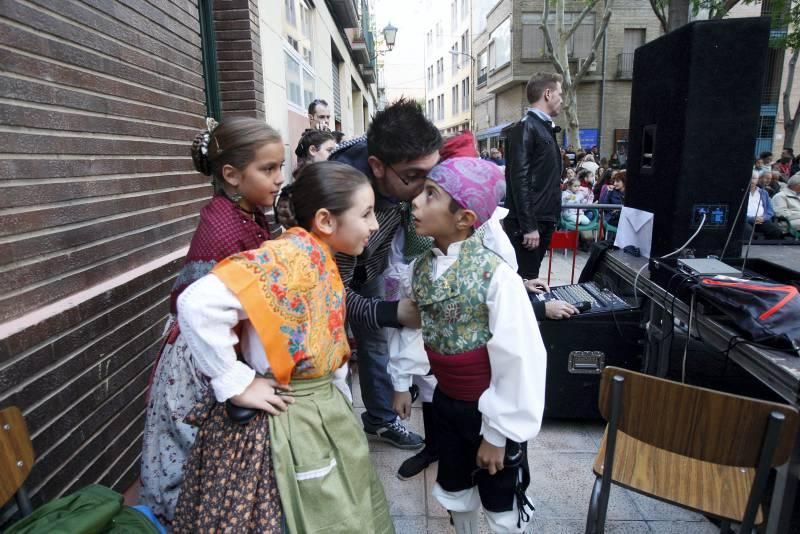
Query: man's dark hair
x,y
401,132
765,154
312,107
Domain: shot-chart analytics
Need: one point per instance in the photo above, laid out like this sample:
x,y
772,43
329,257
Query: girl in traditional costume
x,y
301,464
244,157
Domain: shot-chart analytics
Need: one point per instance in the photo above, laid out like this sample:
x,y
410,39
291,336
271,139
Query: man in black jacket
x,y
533,174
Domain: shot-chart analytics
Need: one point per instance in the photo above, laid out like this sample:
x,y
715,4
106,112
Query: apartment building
x,y
509,46
448,66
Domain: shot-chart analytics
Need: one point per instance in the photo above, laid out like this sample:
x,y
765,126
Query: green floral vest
x,y
455,318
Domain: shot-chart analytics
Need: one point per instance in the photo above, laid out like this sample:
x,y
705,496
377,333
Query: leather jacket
x,y
533,173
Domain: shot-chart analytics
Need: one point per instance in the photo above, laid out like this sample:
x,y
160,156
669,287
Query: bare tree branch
x,y
662,16
790,121
595,44
586,10
548,39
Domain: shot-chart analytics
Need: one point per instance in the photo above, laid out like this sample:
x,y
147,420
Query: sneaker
x,y
396,434
416,464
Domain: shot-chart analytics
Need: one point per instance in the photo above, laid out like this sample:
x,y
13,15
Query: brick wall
x,y
101,100
241,78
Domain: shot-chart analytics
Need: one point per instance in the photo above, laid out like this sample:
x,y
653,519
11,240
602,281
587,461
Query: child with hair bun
x,y
243,157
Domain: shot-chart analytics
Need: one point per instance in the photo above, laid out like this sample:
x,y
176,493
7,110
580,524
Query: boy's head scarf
x,y
474,184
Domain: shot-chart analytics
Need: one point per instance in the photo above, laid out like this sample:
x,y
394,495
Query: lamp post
x,y
471,91
389,38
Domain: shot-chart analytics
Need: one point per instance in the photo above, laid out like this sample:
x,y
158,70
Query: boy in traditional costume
x,y
483,346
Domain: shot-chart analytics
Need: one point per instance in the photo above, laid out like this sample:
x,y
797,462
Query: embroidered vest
x,y
455,318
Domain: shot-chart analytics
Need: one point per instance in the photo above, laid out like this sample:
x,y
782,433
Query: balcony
x,y
358,45
345,12
625,66
368,73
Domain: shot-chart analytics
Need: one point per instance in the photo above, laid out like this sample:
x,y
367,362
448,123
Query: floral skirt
x,y
229,483
177,387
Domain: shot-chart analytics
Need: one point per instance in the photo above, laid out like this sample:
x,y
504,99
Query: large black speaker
x,y
695,106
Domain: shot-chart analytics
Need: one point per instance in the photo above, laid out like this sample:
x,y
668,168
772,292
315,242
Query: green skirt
x,y
325,477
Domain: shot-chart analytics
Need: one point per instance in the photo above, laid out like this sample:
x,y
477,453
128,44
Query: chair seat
x,y
718,490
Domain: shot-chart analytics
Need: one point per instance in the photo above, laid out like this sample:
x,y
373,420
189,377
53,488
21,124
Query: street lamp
x,y
390,36
471,91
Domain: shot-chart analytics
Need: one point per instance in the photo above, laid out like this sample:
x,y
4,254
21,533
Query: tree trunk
x,y
570,109
678,13
790,121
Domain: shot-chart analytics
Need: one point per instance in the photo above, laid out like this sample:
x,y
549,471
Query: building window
x,y
430,110
439,71
430,77
464,9
483,67
454,100
439,34
291,13
533,42
429,39
454,59
465,47
454,15
294,91
465,88
500,45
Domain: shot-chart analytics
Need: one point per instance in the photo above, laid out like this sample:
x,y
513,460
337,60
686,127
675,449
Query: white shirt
x,y
755,208
208,313
512,406
541,114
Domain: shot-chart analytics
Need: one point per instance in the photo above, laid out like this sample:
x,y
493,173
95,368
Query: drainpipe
x,y
603,91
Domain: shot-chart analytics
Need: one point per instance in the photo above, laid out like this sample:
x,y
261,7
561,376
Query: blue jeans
x,y
373,357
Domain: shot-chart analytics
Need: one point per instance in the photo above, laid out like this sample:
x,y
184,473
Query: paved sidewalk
x,y
561,460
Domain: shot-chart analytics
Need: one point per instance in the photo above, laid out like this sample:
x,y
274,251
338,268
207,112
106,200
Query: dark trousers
x,y
529,261
768,229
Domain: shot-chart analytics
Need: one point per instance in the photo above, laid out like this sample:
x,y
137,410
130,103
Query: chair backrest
x,y
16,452
696,422
564,239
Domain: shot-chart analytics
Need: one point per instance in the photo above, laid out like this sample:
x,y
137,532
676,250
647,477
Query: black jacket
x,y
533,173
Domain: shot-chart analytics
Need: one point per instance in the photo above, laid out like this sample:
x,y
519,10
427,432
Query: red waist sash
x,y
463,376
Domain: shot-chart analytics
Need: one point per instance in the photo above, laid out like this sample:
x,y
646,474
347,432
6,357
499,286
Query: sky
x,y
404,67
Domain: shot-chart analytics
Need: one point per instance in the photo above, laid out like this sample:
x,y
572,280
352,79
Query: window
x,y
464,9
439,71
483,67
533,42
429,39
430,77
291,13
293,81
465,47
306,26
454,100
308,88
454,59
430,110
500,45
632,39
465,88
454,15
439,34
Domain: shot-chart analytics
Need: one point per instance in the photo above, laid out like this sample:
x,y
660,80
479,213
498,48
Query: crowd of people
x,y
415,249
773,202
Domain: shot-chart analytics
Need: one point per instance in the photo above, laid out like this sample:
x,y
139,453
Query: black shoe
x,y
396,434
416,464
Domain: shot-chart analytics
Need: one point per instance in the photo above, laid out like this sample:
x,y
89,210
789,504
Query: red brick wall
x,y
101,100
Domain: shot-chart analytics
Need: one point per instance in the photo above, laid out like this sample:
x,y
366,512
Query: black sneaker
x,y
416,464
396,434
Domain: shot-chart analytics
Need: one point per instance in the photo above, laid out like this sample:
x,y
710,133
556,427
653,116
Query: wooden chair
x,y
16,458
703,450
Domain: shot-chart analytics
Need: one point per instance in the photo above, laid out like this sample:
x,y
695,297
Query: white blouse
x,y
208,313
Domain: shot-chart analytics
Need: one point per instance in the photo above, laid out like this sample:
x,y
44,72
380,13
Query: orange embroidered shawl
x,y
295,300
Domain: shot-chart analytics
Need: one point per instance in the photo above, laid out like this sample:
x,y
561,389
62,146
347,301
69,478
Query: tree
x,y
785,17
558,54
